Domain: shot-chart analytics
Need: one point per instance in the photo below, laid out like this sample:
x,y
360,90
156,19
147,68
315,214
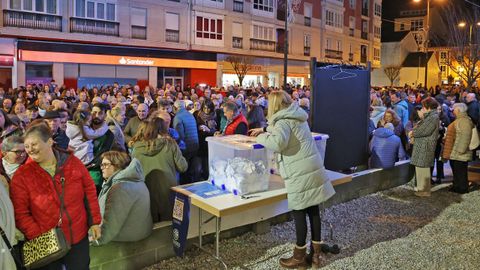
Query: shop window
x,y
38,73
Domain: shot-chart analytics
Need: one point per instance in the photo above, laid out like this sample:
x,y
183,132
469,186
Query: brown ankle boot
x,y
298,260
317,257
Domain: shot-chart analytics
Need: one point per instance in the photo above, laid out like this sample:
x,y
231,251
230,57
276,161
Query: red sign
x,y
6,60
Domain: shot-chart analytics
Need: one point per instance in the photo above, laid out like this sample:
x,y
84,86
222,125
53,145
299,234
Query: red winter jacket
x,y
37,206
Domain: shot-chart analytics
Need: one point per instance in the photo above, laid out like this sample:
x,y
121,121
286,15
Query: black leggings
x,y
300,218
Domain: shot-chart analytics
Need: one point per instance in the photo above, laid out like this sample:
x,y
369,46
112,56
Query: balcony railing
x,y
308,21
262,45
350,57
364,35
23,19
333,54
238,6
172,35
96,27
237,42
280,48
139,32
306,51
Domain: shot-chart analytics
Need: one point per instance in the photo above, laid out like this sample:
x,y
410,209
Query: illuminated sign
x,y
36,56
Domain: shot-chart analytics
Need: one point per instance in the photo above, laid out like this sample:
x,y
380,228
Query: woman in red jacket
x,y
37,205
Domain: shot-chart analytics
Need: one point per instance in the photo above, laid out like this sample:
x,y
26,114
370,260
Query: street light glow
x,y
462,24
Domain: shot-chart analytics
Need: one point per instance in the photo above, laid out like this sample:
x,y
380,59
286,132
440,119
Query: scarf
x,y
10,168
208,119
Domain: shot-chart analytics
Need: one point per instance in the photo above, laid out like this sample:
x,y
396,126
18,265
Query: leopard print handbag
x,y
51,245
46,248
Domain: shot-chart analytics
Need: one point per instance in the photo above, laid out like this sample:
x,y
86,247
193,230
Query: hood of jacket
x,y
378,110
153,148
402,103
72,130
383,133
293,112
132,173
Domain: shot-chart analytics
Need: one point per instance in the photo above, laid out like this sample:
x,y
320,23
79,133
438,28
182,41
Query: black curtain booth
x,y
340,108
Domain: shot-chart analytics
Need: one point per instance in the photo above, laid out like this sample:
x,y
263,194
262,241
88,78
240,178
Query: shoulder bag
x,y
51,245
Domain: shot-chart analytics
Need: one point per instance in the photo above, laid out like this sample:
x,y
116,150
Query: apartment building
x,y
186,42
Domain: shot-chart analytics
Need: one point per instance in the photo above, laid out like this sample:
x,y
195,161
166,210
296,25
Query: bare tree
x,y
463,40
392,73
241,65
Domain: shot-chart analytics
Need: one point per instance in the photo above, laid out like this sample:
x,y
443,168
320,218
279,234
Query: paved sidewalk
x,y
388,230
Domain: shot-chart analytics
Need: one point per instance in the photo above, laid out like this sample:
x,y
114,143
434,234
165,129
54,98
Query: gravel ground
x,y
392,229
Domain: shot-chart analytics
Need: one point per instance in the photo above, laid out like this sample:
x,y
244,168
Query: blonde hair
x,y
277,101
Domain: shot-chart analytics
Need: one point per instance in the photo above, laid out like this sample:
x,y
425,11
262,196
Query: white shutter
x,y
237,30
172,21
307,10
138,16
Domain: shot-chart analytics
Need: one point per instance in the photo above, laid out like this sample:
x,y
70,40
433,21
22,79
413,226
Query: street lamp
x,y
427,29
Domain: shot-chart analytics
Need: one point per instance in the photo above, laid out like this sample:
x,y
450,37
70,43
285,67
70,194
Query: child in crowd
x,y
81,135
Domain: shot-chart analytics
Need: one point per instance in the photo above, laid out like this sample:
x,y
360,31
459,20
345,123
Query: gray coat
x,y
125,206
425,135
298,160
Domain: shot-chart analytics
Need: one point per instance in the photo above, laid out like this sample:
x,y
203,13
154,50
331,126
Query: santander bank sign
x,y
136,62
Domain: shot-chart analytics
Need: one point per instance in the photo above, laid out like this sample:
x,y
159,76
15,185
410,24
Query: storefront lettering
x,y
139,62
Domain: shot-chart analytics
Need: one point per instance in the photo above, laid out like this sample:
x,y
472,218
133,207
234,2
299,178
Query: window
x,y
263,5
443,55
339,45
307,40
138,17
263,32
307,10
209,28
378,10
329,44
377,31
333,19
402,27
40,6
237,33
376,54
95,9
172,27
352,4
416,25
443,68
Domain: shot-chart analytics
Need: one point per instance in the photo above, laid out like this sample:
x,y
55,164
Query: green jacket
x,y
298,159
160,163
125,206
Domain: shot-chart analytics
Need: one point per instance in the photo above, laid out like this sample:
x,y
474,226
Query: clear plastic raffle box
x,y
238,164
320,141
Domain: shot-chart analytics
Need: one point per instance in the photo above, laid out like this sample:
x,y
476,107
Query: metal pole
x,y
217,237
200,227
285,49
427,30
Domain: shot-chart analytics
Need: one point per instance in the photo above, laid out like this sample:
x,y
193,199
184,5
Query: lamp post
x,y
427,30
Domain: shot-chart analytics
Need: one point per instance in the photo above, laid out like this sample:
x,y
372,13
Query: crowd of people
x,y
99,163
428,127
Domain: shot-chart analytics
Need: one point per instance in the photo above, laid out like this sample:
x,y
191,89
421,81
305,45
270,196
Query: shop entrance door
x,y
5,78
175,81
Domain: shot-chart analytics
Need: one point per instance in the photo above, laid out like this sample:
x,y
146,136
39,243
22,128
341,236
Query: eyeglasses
x,y
18,152
105,165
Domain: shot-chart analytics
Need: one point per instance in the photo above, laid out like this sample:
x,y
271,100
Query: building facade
x,y
181,42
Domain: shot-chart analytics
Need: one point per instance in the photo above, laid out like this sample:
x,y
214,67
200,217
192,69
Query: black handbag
x,y
51,245
14,250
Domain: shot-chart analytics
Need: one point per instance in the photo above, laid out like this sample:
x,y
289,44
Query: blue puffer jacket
x,y
186,126
385,148
401,108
